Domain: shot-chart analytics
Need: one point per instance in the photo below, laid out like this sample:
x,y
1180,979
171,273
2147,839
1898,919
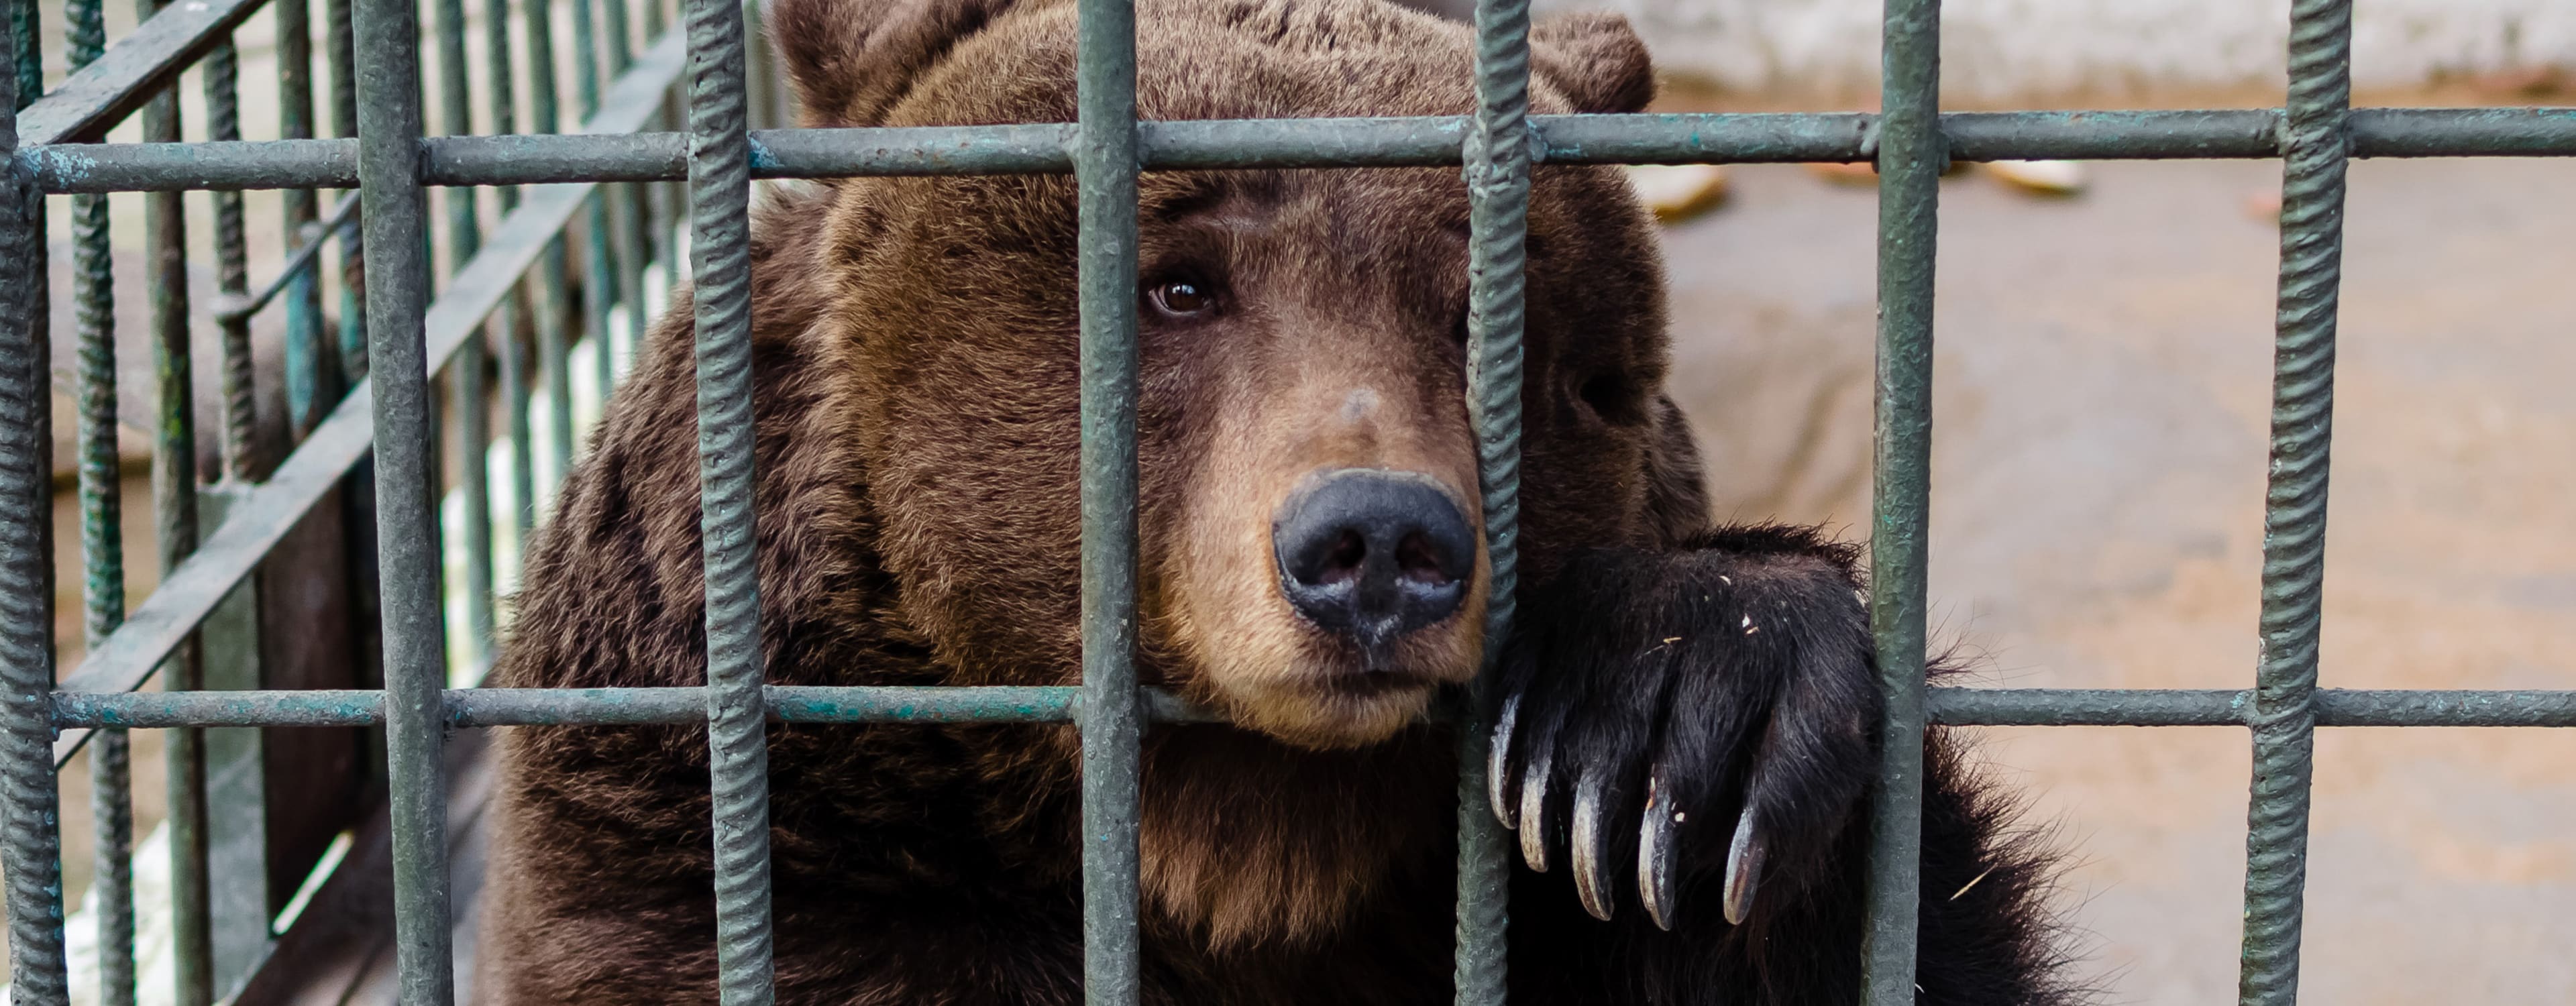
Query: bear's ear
x,y
852,60
1595,60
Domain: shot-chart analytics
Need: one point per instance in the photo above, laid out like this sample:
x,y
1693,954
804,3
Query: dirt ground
x,y
2101,409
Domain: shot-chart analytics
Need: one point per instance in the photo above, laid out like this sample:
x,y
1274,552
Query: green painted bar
x,y
466,377
494,707
1112,721
554,279
489,707
415,643
1496,167
102,543
1044,148
511,322
2316,148
311,362
174,507
1911,157
734,700
31,843
341,60
222,71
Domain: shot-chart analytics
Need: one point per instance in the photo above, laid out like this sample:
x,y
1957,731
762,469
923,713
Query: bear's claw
x,y
1675,692
1655,856
1591,867
1743,869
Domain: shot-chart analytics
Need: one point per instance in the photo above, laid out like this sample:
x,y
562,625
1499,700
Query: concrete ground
x,y
2101,407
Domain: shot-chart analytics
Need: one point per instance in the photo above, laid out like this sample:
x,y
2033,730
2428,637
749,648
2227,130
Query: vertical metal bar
x,y
312,363
737,720
516,388
629,229
456,118
2316,143
585,58
554,344
232,269
474,439
510,321
465,375
599,269
396,225
31,843
1911,157
1497,172
27,38
30,68
658,198
1105,167
764,80
232,833
340,55
102,500
599,290
174,505
633,231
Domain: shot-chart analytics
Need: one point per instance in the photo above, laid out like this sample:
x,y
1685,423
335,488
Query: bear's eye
x,y
1182,298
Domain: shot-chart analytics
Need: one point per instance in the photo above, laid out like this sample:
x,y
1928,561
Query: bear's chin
x,y
1334,714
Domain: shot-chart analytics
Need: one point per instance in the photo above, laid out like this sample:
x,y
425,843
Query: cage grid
x,y
583,217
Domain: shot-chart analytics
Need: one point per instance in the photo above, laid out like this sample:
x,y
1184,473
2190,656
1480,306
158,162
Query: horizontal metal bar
x,y
229,307
2336,707
2463,132
1300,143
607,137
498,707
100,94
488,707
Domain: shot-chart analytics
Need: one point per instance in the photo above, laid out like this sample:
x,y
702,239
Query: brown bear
x,y
1312,570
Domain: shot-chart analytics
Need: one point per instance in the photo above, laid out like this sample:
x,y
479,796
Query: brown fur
x,y
916,402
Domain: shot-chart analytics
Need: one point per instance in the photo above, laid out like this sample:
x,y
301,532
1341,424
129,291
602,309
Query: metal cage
x,y
552,189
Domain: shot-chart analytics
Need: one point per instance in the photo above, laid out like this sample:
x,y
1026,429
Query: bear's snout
x,y
1370,555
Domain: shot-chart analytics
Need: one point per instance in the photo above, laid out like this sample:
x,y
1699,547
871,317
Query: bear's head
x,y
1312,553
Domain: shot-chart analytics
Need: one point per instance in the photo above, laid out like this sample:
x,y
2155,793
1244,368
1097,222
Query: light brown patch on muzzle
x,y
1331,574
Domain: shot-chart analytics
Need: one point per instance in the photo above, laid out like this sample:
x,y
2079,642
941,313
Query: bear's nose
x,y
1370,554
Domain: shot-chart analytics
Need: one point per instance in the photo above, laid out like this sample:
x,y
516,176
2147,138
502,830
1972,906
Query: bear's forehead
x,y
1201,60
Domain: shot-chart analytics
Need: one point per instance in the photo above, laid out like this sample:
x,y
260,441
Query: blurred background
x,y
2101,407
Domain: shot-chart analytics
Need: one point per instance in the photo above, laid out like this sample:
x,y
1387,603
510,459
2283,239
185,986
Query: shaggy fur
x,y
915,363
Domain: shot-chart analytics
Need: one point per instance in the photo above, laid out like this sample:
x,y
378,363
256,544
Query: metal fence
x,y
512,286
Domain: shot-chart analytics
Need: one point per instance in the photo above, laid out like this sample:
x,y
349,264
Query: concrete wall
x,y
2008,50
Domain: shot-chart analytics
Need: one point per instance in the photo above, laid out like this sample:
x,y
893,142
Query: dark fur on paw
x,y
1705,712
